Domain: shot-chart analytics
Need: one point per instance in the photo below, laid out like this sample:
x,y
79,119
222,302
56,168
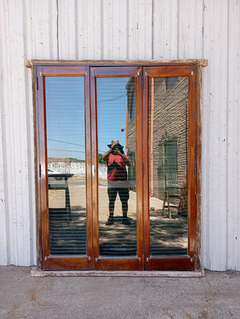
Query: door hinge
x,y
40,170
37,83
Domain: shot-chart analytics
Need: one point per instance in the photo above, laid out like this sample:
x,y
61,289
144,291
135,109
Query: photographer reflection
x,y
117,179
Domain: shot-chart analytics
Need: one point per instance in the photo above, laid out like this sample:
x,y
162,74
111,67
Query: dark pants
x,y
122,190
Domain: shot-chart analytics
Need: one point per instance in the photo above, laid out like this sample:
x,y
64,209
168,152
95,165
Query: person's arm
x,y
106,155
125,158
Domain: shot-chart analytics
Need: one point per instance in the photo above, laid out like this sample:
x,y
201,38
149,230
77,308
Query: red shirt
x,y
116,168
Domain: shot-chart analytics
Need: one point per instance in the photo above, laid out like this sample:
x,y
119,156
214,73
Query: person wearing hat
x,y
117,179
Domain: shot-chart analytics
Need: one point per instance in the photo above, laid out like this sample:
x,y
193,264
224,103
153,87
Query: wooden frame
x,y
142,70
52,262
127,263
185,262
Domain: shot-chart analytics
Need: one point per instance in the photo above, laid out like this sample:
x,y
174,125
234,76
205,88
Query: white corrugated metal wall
x,y
122,29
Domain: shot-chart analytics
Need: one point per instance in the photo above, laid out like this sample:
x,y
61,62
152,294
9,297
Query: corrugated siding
x,y
114,29
215,154
233,138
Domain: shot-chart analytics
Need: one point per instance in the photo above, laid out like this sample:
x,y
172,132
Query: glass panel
x,y
66,165
168,140
117,168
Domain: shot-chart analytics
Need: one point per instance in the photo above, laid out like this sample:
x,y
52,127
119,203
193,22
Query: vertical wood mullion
x,y
145,142
191,166
140,168
88,164
94,142
198,86
42,135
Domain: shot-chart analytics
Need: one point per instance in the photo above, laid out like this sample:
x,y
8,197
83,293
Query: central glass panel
x,y
116,112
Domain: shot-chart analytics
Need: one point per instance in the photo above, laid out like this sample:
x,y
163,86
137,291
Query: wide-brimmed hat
x,y
116,142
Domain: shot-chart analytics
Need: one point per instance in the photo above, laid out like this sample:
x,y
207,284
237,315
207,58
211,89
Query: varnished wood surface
x,y
139,165
118,264
146,204
70,263
198,123
63,70
42,170
191,163
94,157
173,263
36,166
164,71
88,161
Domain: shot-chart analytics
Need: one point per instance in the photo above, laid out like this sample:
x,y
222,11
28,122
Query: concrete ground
x,y
216,295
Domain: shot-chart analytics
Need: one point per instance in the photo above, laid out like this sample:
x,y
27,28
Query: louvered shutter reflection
x,y
168,136
116,114
66,165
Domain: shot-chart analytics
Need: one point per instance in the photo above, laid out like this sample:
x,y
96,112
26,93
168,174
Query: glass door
x,y
170,136
117,168
66,201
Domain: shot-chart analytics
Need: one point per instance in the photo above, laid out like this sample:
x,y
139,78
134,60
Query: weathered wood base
x,y
37,272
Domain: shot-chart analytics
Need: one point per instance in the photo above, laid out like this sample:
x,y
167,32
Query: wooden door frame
x,y
178,262
116,263
40,183
52,262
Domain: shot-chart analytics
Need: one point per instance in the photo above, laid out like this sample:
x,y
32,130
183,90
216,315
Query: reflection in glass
x,y
116,112
66,164
168,152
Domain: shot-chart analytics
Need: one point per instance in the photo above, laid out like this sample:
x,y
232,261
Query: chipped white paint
x,y
112,29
